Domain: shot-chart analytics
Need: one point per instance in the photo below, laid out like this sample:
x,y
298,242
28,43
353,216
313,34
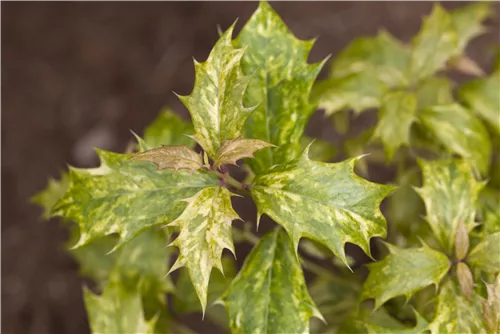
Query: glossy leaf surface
x,y
236,149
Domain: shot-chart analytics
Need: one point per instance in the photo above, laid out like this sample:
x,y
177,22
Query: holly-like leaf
x,y
457,129
167,129
467,22
323,201
486,254
483,97
48,197
236,149
434,45
455,314
383,55
205,230
434,91
280,85
450,193
125,197
174,157
419,328
117,310
216,102
397,113
321,150
269,294
404,272
358,91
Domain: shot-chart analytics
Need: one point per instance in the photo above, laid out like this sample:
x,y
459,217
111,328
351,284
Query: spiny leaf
x,y
358,91
48,197
216,102
483,97
404,272
450,193
280,85
455,314
486,254
236,149
321,150
205,230
383,55
467,22
436,42
419,328
269,294
125,197
323,201
434,91
167,129
174,157
117,310
457,129
397,113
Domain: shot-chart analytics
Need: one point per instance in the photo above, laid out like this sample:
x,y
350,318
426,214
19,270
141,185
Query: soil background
x,y
77,75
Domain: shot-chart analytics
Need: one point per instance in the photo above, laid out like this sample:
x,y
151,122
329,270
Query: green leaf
x,y
269,294
397,113
491,306
434,45
216,102
383,55
205,230
486,254
434,91
419,328
117,310
321,150
323,201
404,272
359,91
48,197
174,157
455,314
280,85
450,193
483,97
167,129
239,148
125,197
467,22
460,132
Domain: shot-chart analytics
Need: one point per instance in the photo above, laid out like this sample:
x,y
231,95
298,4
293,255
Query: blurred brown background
x,y
78,75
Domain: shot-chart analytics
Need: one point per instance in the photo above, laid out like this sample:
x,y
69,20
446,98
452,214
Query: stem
x,y
228,179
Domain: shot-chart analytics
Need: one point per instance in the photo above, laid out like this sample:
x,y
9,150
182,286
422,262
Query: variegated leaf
x,y
48,197
280,85
404,272
434,91
483,97
216,102
323,201
455,314
491,306
269,294
486,254
174,157
434,45
419,328
205,230
321,150
450,193
397,113
236,149
125,197
457,129
117,310
467,21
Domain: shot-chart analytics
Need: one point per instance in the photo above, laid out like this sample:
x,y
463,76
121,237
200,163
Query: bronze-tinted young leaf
x,y
269,294
236,149
450,193
48,197
457,129
419,328
486,254
117,310
174,157
404,272
461,241
216,102
455,314
483,97
465,280
323,201
397,113
125,197
280,85
491,306
205,230
436,42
